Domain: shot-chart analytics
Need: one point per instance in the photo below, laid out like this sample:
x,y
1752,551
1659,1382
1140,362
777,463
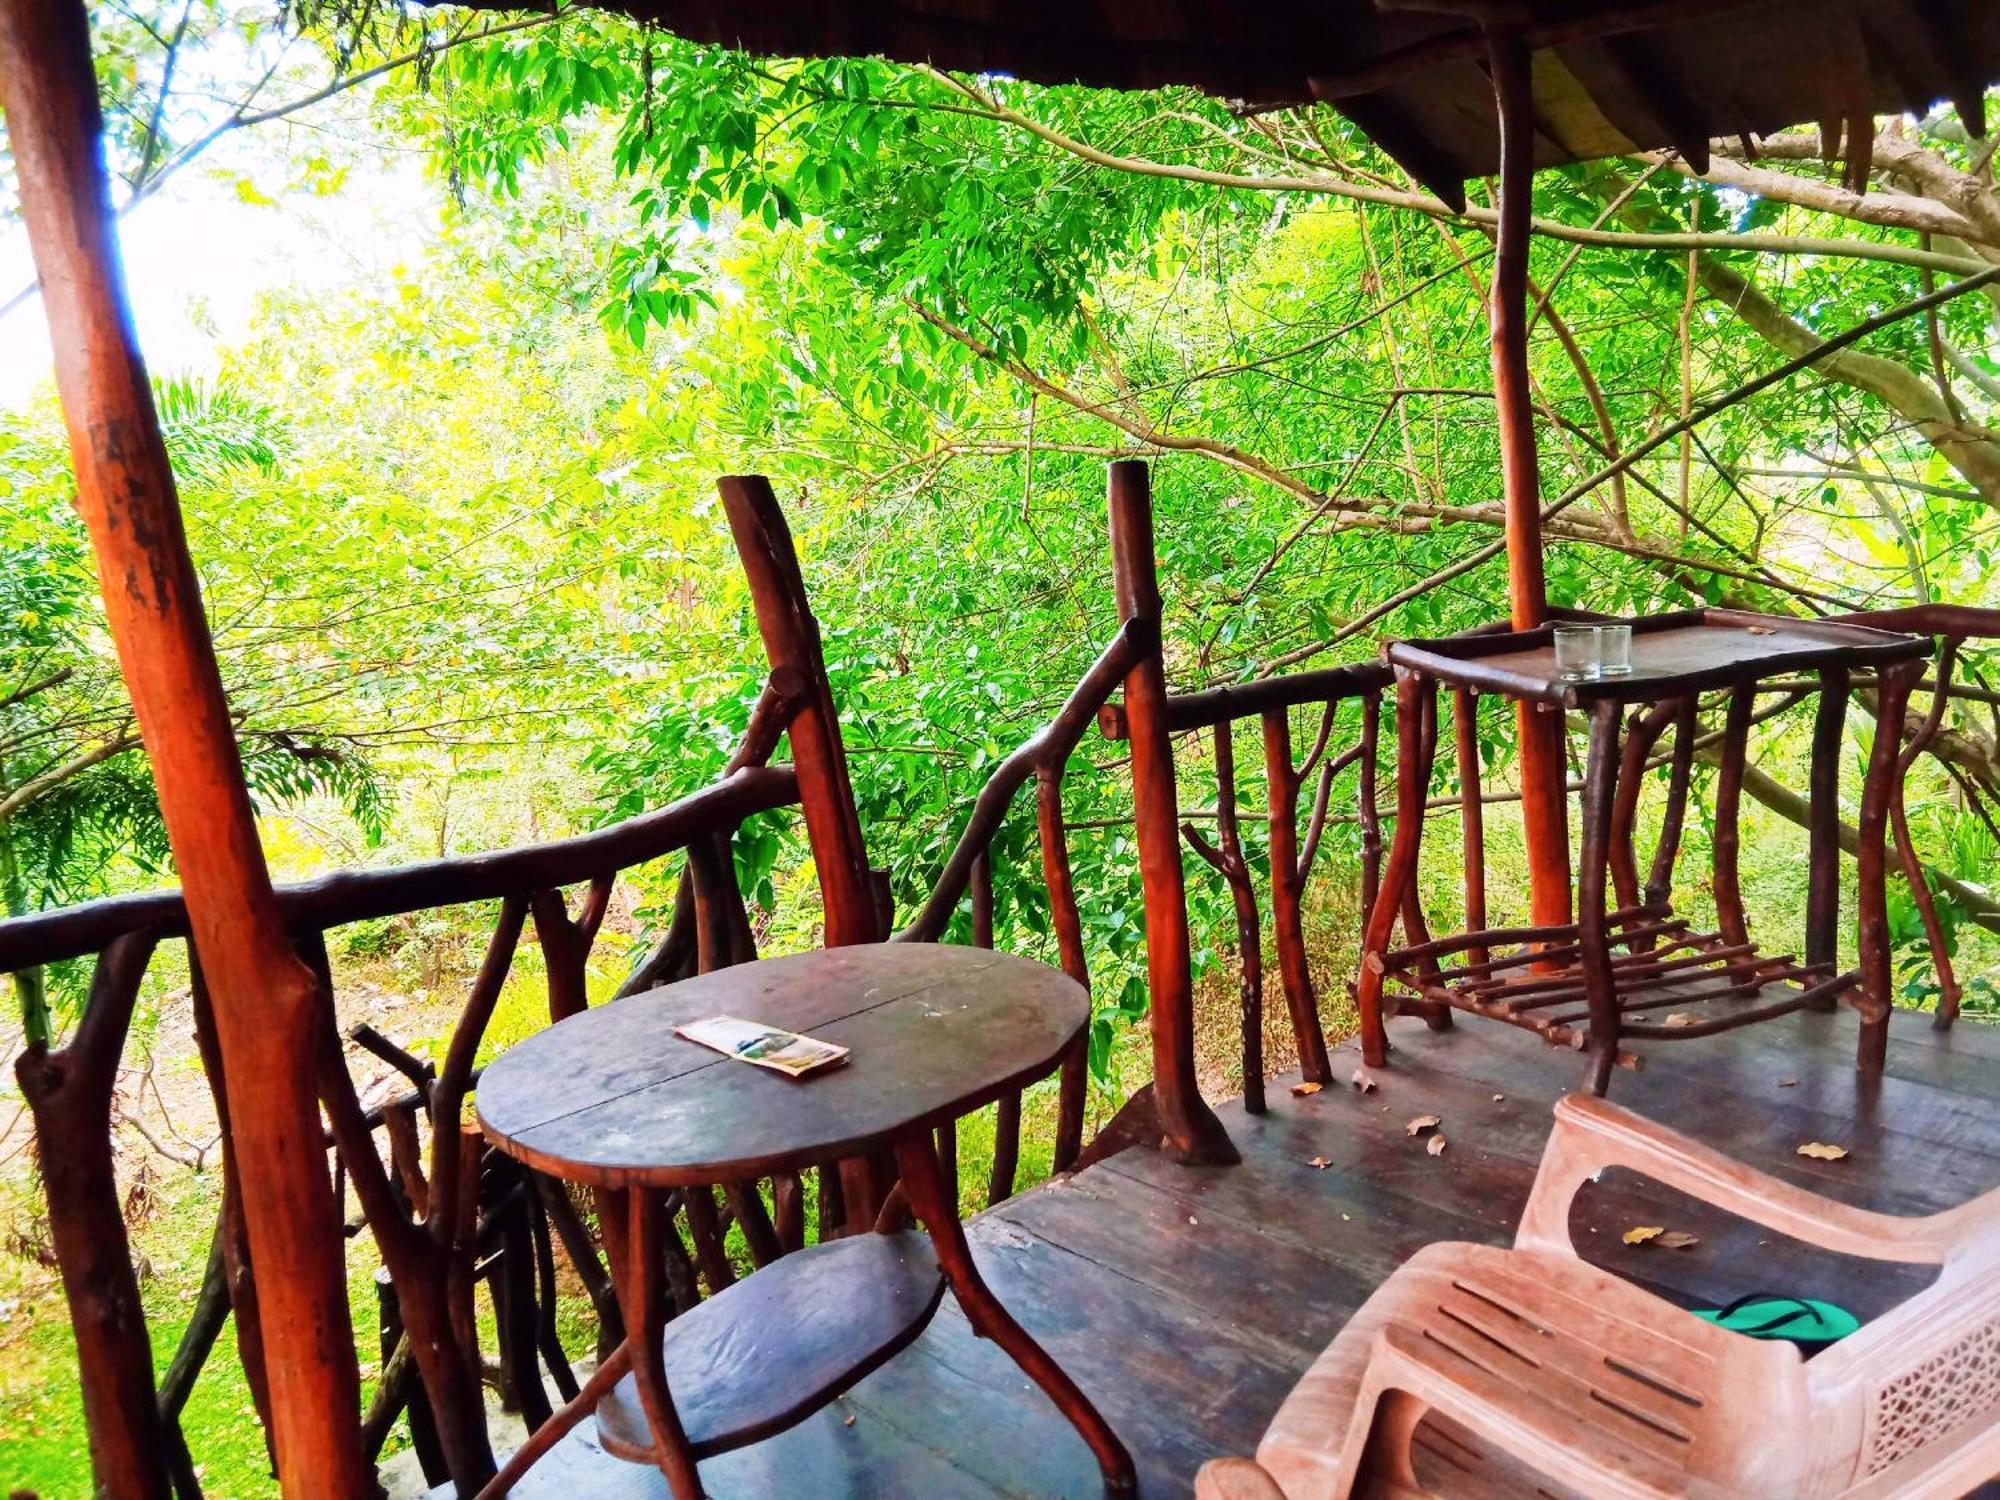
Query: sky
x,y
198,256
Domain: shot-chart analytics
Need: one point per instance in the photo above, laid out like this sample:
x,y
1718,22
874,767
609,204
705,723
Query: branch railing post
x,y
1226,856
1471,814
1192,1132
791,640
1822,944
263,997
1288,898
1875,997
1416,711
1068,924
69,1093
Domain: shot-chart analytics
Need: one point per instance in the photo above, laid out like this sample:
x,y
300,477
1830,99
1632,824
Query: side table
x,y
613,1099
1599,979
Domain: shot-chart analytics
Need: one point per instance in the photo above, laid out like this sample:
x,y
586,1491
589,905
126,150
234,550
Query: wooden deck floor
x,y
1186,1302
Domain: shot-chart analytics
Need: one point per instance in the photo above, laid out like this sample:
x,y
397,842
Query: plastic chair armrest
x,y
1591,1134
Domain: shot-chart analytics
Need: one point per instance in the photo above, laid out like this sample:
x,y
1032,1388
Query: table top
x,y
1672,655
612,1097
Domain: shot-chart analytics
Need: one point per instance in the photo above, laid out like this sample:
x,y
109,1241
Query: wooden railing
x,y
447,1214
467,1215
1292,855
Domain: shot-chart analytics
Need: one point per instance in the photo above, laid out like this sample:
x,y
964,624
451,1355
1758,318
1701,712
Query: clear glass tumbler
x,y
1579,653
1614,650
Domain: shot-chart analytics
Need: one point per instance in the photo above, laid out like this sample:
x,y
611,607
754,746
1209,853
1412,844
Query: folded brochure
x,y
767,1046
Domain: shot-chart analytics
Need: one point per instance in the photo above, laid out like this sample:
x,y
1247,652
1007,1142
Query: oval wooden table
x,y
613,1099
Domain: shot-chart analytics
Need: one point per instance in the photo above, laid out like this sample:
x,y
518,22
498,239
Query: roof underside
x,y
1610,76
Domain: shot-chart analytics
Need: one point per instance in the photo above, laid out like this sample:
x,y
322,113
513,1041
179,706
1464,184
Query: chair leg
x,y
1376,1458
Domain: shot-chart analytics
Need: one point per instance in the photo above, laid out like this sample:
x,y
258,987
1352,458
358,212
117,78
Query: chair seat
x,y
1622,1383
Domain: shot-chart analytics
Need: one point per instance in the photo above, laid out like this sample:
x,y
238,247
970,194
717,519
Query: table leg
x,y
1823,803
639,1294
924,1182
1600,987
610,1370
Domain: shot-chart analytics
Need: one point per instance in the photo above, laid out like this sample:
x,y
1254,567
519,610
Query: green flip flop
x,y
1805,1321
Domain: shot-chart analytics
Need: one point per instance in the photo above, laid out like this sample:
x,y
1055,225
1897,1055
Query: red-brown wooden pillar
x,y
262,994
1544,799
1193,1134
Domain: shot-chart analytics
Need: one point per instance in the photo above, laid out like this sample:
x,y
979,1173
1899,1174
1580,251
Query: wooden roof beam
x,y
1469,44
1939,28
1391,128
1662,98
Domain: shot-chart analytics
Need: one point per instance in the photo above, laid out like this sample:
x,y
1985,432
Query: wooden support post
x,y
1949,991
791,639
1673,818
1823,813
1544,798
1192,1132
1369,812
1249,931
263,996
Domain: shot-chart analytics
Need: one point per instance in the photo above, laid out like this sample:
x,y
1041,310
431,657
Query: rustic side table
x,y
613,1099
1606,976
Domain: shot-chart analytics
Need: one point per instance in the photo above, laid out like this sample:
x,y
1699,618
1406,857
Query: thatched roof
x,y
1610,76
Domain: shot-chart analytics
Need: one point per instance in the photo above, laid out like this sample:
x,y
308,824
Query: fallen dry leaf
x,y
1422,1123
1320,1163
1639,1234
1436,1145
1305,1090
848,1423
1681,1018
1762,630
1820,1151
1498,1097
1678,1239
1363,1082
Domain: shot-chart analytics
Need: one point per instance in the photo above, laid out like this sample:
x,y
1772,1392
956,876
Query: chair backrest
x,y
1910,1405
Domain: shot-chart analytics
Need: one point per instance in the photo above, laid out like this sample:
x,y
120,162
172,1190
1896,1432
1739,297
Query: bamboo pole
x,y
262,994
1544,802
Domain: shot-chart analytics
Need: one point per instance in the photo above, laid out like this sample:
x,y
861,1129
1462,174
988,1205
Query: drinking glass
x,y
1579,655
1614,650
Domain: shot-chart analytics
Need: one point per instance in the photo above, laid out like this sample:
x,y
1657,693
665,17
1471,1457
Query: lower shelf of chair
x,y
1689,984
778,1345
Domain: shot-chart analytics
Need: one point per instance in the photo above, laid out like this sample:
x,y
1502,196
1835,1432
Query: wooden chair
x,y
1480,1371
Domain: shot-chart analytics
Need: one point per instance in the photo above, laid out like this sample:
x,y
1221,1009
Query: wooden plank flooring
x,y
1187,1301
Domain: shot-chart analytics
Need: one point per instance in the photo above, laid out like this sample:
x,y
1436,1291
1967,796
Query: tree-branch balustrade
x,y
448,1215
1269,702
